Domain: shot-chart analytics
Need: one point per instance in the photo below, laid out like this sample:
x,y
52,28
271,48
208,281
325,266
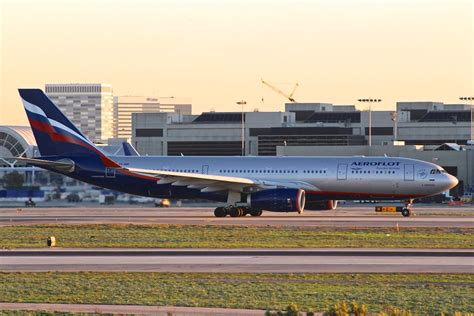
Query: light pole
x,y
242,103
370,101
470,107
394,117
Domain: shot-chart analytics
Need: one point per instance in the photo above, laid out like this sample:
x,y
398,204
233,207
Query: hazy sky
x,y
214,52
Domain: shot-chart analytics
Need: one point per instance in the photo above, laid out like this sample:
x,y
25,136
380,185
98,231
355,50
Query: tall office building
x,y
126,105
89,106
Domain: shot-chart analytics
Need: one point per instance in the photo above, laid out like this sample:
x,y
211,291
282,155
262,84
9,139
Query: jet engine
x,y
321,205
278,200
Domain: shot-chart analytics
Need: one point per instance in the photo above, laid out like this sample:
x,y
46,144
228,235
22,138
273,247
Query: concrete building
x,y
303,124
211,133
124,106
433,123
311,126
89,106
343,120
220,133
430,123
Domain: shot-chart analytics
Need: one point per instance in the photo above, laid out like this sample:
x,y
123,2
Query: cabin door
x,y
342,172
409,172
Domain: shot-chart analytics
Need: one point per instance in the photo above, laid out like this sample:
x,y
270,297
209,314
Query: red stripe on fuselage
x,y
365,194
138,175
108,162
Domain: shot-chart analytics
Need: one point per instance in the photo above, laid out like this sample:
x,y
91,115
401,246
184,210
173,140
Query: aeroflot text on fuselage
x,y
376,163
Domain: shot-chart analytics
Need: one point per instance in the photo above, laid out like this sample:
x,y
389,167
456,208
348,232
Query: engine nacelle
x,y
278,200
321,205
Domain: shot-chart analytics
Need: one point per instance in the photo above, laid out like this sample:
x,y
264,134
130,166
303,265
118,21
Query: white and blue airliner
x,y
248,185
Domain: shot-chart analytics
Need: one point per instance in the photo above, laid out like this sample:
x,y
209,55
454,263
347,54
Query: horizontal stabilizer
x,y
62,165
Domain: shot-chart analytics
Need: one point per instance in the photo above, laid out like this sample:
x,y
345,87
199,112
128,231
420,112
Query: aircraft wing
x,y
213,183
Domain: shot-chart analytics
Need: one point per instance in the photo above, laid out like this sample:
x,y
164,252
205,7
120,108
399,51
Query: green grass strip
x,y
188,236
425,294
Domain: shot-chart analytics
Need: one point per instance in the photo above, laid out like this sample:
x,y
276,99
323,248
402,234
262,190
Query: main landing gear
x,y
407,209
236,211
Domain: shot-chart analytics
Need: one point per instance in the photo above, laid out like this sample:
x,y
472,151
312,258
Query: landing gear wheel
x,y
234,211
241,211
220,212
256,212
406,212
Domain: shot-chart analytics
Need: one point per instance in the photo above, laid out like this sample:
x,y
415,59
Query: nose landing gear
x,y
407,210
236,211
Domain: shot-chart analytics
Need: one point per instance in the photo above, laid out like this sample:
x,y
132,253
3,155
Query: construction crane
x,y
288,96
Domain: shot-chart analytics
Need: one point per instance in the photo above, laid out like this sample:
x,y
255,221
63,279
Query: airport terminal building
x,y
435,131
302,124
430,131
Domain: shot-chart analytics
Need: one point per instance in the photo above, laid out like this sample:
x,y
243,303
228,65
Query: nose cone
x,y
453,181
449,182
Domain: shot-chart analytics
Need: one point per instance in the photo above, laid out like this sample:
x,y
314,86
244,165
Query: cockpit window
x,y
437,171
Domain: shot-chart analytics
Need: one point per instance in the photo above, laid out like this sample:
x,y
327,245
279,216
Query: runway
x,y
241,260
343,217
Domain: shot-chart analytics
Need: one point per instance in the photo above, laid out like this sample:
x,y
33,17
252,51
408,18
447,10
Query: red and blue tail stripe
x,y
55,134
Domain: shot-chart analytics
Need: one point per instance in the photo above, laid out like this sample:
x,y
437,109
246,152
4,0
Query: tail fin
x,y
55,134
129,150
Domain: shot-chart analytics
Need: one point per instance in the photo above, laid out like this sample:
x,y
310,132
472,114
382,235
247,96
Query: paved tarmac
x,y
319,260
342,217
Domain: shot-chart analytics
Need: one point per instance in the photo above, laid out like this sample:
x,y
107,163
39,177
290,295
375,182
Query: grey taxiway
x,y
241,260
363,216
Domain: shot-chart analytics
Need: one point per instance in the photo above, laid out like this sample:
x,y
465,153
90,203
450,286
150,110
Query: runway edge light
x,y
51,241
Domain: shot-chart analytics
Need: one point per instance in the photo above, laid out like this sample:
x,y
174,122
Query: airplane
x,y
248,185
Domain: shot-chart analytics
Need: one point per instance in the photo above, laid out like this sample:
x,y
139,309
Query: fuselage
x,y
342,178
